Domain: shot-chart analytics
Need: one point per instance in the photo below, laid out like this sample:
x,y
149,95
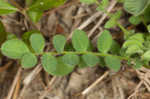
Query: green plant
x,y
61,62
135,49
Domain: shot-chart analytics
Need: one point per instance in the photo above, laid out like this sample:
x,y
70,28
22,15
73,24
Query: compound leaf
x,y
59,42
14,48
28,60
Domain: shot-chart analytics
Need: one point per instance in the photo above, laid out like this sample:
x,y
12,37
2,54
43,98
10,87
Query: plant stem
x,y
94,53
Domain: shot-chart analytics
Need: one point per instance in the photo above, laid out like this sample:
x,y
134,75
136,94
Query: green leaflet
x,y
14,48
112,22
41,5
62,69
3,35
103,5
82,64
11,36
120,1
129,43
70,59
28,60
59,42
37,42
134,44
49,63
90,59
37,7
104,41
148,28
115,48
136,7
146,15
133,50
6,8
113,63
80,41
138,64
35,16
102,62
55,66
146,55
138,36
29,2
26,35
135,20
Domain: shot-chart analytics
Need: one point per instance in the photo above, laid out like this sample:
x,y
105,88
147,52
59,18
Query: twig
x,y
147,86
77,22
14,84
23,12
113,3
86,23
16,4
17,88
3,68
29,78
136,90
48,88
95,83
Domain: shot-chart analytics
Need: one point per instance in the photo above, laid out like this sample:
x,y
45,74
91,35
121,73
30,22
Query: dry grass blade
x,y
95,83
48,87
6,66
11,91
112,5
17,89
